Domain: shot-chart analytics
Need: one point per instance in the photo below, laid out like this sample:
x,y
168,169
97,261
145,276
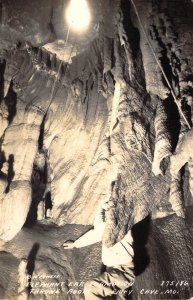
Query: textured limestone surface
x,y
89,122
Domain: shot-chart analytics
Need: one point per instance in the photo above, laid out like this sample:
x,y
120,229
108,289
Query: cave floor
x,y
163,250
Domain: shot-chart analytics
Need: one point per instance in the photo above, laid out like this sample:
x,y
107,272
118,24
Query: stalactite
x,y
163,146
176,195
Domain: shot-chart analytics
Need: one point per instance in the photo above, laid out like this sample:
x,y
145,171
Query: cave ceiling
x,y
43,24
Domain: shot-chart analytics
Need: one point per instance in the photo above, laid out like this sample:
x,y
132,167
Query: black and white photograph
x,y
96,149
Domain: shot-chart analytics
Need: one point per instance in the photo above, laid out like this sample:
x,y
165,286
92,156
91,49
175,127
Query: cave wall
x,y
107,116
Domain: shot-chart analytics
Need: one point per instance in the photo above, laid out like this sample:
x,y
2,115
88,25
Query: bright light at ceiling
x,y
78,15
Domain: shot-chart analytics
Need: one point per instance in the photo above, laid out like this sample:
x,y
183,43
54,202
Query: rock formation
x,y
111,106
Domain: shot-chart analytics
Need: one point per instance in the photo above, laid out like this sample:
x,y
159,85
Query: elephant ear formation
x,y
181,157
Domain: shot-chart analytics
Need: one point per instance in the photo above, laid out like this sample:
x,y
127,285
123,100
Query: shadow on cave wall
x,y
31,263
140,233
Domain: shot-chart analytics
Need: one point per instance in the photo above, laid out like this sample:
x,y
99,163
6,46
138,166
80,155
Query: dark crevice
x,y
39,181
165,62
48,201
182,9
38,185
2,70
132,32
53,35
176,62
11,103
48,62
3,176
41,136
2,159
173,123
11,172
1,12
187,111
140,233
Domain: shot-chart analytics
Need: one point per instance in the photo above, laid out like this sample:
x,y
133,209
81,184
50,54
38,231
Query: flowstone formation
x,y
79,119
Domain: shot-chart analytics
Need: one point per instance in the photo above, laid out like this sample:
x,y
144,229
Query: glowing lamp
x,y
78,15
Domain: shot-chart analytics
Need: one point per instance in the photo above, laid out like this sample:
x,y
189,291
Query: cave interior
x,y
81,110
